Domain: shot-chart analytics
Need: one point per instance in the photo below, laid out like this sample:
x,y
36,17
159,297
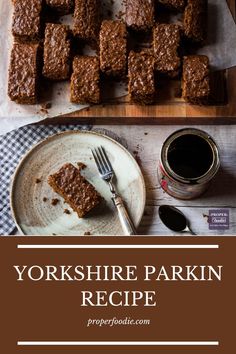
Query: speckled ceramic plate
x,y
31,201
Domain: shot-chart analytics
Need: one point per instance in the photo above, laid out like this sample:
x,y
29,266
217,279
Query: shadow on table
x,y
223,188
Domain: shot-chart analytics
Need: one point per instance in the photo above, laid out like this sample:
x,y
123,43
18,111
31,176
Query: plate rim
x,y
51,137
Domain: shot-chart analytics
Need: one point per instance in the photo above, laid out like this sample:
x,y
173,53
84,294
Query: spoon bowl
x,y
174,219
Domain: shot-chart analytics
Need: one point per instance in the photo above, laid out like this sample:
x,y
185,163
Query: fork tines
x,y
102,161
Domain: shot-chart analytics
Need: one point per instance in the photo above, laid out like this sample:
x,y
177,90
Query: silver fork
x,y
107,174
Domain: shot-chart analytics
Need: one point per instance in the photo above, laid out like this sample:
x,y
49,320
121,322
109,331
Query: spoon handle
x,y
191,231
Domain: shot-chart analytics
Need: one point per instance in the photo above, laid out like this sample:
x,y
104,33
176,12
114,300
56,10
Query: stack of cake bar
x,y
43,48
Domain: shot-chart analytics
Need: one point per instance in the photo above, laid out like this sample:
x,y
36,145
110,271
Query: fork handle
x,y
125,220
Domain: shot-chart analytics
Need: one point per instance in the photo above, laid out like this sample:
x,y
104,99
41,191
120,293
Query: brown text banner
x,y
118,294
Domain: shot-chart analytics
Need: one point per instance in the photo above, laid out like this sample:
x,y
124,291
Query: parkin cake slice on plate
x,y
75,189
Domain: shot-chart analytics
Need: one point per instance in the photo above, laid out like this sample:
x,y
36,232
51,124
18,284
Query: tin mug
x,y
189,161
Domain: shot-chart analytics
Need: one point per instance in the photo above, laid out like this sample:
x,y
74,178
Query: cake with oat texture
x,y
166,42
113,48
195,20
140,14
26,23
85,80
63,7
75,189
141,77
23,73
196,81
56,57
87,19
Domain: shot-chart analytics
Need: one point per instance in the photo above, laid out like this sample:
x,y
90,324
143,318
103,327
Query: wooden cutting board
x,y
169,109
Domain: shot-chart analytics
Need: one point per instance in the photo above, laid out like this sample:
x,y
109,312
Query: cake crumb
x,y
66,211
45,107
55,201
38,180
45,199
81,165
87,233
48,105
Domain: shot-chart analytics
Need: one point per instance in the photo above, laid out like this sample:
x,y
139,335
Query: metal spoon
x,y
174,219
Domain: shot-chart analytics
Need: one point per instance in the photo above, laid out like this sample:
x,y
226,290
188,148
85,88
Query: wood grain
x,y
167,111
